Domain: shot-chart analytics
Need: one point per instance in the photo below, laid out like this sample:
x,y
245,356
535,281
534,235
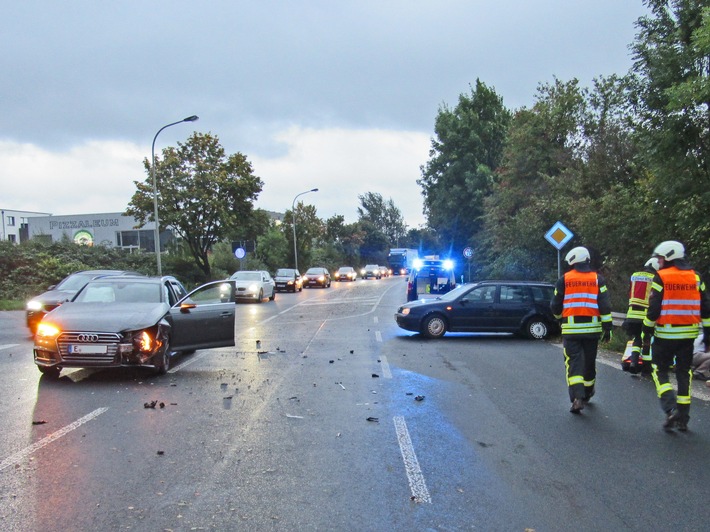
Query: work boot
x,y
577,406
672,417
681,425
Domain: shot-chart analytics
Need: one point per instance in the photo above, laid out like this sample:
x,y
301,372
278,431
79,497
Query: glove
x,y
606,336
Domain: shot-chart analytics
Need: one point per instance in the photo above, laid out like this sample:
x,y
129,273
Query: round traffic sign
x,y
240,253
468,252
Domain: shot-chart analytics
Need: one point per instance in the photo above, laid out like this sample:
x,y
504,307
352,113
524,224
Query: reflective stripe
x,y
663,388
589,383
575,379
678,332
683,400
584,304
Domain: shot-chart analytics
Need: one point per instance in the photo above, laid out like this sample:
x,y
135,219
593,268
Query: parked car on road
x,y
521,307
288,280
254,285
346,273
317,277
63,291
371,270
134,321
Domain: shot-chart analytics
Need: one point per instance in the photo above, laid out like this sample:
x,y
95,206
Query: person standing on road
x,y
678,307
639,293
581,302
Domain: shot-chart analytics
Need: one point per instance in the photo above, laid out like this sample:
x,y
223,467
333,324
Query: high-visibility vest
x,y
639,294
680,306
581,292
580,301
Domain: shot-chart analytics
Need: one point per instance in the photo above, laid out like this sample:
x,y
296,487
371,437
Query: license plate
x,y
88,349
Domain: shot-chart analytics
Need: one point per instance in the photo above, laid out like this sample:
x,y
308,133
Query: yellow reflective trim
x,y
683,400
663,388
575,379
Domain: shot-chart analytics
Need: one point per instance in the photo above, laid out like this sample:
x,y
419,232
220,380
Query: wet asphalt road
x,y
278,437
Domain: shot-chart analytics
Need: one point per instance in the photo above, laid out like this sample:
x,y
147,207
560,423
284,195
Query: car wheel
x,y
51,372
434,327
162,364
300,288
536,329
261,296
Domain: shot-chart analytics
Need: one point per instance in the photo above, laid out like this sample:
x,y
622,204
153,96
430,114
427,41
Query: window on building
x,y
11,221
135,240
12,238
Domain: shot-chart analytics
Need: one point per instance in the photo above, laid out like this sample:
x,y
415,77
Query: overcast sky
x,y
336,95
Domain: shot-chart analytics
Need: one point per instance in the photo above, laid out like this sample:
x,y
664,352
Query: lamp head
x,y
192,118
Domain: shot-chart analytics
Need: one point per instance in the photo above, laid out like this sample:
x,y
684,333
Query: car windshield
x,y
284,272
315,271
345,269
75,281
120,292
246,276
454,292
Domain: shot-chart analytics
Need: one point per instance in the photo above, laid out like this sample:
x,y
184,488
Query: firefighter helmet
x,y
577,255
653,263
669,250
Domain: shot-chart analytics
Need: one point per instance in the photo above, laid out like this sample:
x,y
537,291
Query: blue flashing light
x,y
448,264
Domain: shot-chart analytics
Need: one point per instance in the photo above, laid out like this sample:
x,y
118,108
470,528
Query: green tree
x,y
272,249
202,194
672,95
467,149
383,214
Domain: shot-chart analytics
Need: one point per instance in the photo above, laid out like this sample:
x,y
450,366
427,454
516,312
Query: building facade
x,y
106,229
15,224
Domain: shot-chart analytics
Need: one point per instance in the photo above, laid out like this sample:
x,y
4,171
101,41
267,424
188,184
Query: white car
x,y
254,285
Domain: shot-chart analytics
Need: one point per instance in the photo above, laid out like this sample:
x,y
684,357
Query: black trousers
x,y
665,353
580,352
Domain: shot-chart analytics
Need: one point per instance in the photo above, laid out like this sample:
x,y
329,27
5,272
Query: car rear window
x,y
542,294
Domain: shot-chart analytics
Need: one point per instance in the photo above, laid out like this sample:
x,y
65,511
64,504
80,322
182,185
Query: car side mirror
x,y
186,306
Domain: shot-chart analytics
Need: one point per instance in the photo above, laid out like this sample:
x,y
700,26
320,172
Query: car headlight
x,y
252,288
34,305
143,342
404,311
47,330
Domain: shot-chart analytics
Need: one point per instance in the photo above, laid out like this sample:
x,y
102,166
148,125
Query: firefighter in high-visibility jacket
x,y
678,312
581,302
639,293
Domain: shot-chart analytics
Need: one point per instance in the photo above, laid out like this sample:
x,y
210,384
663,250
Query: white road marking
x,y
376,319
378,336
24,453
193,358
8,346
386,373
420,493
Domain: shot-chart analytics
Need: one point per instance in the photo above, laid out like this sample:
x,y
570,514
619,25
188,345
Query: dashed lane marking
x,y
8,346
386,373
417,484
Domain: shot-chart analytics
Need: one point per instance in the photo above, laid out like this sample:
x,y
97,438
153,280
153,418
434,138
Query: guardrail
x,y
617,318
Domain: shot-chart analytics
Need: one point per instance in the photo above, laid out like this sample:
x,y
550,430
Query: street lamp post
x,y
156,231
293,213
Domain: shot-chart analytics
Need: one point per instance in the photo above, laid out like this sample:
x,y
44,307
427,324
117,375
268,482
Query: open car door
x,y
204,318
